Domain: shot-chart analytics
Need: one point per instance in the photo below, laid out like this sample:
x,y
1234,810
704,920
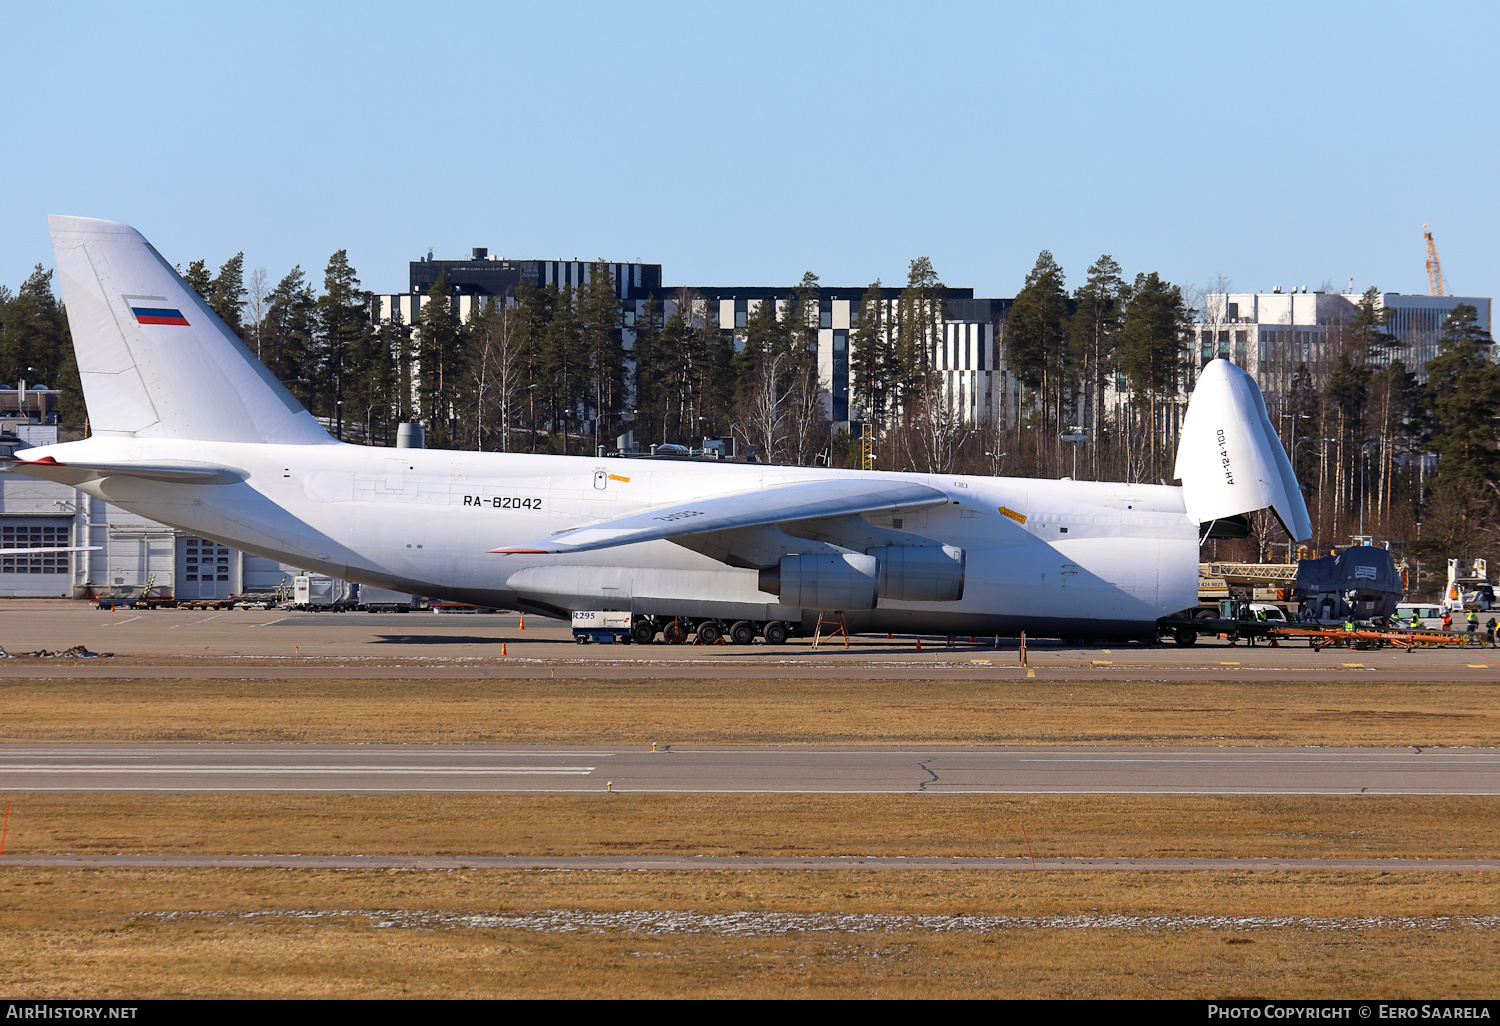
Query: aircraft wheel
x,y
643,632
1185,636
774,632
709,632
675,633
742,633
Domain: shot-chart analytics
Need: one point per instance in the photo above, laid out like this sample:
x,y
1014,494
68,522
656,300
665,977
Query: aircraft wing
x,y
178,471
779,504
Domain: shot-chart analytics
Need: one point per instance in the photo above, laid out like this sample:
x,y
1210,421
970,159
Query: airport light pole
x,y
1075,435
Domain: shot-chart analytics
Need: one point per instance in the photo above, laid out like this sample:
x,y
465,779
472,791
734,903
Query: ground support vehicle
x,y
602,627
263,599
224,603
1185,631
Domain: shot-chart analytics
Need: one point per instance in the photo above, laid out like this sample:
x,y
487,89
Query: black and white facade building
x,y
968,358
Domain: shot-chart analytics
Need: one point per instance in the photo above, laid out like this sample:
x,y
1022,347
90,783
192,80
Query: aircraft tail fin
x,y
154,359
1230,459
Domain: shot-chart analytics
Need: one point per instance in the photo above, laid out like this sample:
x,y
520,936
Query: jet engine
x,y
921,573
815,581
912,573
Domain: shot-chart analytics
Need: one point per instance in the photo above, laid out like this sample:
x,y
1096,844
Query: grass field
x,y
560,711
167,933
757,824
176,932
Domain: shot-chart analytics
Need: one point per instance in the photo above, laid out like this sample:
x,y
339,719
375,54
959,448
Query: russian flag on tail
x,y
153,310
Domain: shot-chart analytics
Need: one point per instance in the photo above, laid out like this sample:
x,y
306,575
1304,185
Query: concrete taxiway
x,y
482,769
233,644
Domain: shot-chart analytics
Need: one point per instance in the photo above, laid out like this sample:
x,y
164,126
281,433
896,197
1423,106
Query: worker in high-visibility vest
x,y
1447,620
1473,619
1490,629
1416,622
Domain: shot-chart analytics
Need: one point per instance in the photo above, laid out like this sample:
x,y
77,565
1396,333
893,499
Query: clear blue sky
x,y
1273,144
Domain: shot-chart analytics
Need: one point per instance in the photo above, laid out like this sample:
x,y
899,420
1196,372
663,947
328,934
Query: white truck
x,y
1468,587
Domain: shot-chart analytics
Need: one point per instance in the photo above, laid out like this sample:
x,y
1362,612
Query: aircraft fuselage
x,y
1068,558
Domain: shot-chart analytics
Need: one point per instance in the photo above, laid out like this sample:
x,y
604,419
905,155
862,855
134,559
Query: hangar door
x,y
203,569
42,574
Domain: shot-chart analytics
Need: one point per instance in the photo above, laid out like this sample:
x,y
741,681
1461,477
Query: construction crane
x,y
1434,269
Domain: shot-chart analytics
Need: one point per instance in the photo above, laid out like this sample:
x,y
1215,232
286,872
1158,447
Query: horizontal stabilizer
x,y
779,504
177,471
1230,459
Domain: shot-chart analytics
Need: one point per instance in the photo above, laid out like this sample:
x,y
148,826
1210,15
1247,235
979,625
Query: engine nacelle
x,y
921,573
827,582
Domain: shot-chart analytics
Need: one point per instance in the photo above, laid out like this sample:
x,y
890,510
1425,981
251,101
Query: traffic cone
x,y
919,644
523,623
502,648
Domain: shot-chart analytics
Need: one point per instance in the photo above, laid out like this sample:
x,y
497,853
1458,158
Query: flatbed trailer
x,y
1185,631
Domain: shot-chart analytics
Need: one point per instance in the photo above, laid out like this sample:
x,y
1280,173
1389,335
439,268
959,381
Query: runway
x,y
513,769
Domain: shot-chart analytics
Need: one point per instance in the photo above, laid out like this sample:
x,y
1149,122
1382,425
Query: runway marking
x,y
118,622
1354,666
1229,664
196,622
268,623
352,770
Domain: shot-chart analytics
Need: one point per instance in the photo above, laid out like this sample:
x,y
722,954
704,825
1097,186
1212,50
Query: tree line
x,y
1378,450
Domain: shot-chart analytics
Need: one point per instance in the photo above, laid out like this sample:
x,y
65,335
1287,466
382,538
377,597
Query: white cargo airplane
x,y
189,429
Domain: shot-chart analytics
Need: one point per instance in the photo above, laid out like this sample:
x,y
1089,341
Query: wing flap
x,y
779,504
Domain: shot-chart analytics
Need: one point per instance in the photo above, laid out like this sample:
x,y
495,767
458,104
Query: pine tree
x,y
1152,348
226,293
535,306
440,350
36,345
1369,329
1095,326
647,400
198,279
562,364
872,357
344,334
288,335
919,321
1036,337
1463,393
604,350
389,398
